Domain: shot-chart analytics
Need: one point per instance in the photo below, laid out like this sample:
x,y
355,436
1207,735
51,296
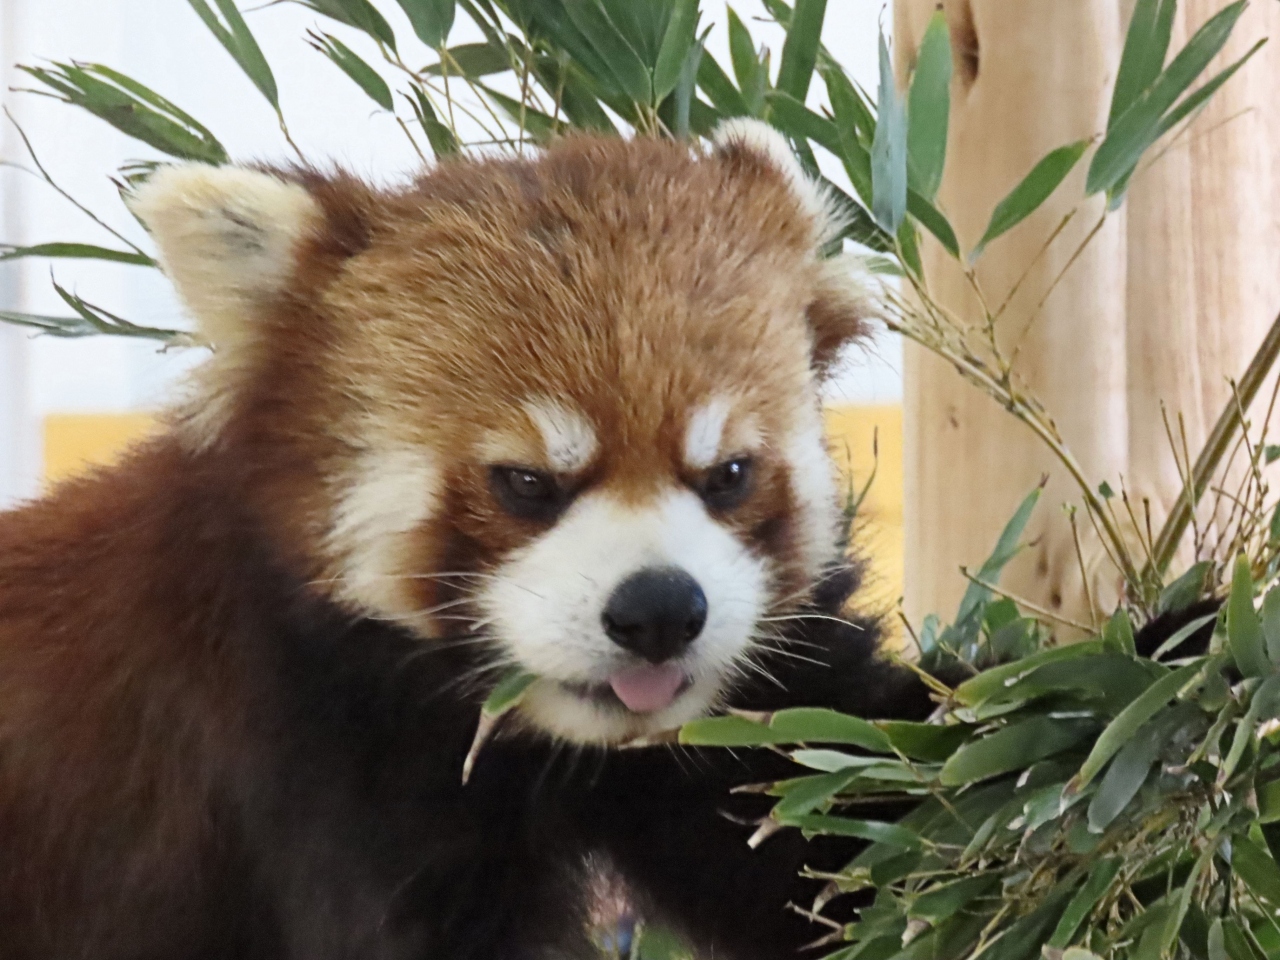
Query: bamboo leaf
x,y
1193,101
889,151
944,901
685,91
818,725
728,732
1123,727
1118,633
800,49
620,59
234,35
929,109
806,794
76,251
1139,126
364,76
1271,623
431,19
750,72
443,142
990,683
1014,747
1244,630
715,83
1185,590
1084,900
1145,46
1128,771
800,123
1036,187
923,741
1256,868
933,220
360,14
474,60
677,48
872,830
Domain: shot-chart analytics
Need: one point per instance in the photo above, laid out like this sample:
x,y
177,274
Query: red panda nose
x,y
656,613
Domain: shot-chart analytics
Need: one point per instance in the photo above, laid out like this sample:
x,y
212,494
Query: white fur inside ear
x,y
756,136
227,238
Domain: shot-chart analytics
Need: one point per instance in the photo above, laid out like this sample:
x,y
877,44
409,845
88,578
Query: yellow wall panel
x,y
73,442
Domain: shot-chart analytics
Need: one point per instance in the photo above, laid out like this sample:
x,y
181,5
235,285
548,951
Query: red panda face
x,y
565,406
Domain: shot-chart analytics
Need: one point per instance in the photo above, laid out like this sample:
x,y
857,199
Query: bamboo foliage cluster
x,y
1073,802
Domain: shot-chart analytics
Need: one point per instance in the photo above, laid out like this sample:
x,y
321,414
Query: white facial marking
x,y
813,484
704,434
546,603
392,494
568,437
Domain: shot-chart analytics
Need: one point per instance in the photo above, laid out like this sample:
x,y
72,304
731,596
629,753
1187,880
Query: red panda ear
x,y
228,238
843,306
767,145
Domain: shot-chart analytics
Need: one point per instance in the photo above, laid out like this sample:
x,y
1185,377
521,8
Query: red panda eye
x,y
526,493
727,484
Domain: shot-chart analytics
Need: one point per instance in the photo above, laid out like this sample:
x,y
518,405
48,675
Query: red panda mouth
x,y
643,688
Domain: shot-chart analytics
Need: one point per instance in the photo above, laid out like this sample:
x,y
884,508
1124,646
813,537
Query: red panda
x,y
558,412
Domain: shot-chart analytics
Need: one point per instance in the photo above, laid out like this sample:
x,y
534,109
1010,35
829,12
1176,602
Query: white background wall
x,y
163,44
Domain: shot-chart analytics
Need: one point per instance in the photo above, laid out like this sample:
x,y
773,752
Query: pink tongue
x,y
648,688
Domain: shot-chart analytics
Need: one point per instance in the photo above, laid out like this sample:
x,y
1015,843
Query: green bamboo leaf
x,y
924,741
1263,705
131,108
818,725
1036,187
1184,634
889,151
1138,127
431,19
1014,747
620,59
1123,727
849,110
234,35
1271,623
508,693
474,60
443,142
78,326
805,794
1244,630
1128,771
1118,633
577,102
728,732
1185,590
989,683
875,831
1256,868
677,48
1145,46
933,220
1084,900
1112,679
751,73
685,91
1231,943
77,251
929,109
715,83
360,14
800,49
800,123
364,76
829,761
539,125
1195,100
945,900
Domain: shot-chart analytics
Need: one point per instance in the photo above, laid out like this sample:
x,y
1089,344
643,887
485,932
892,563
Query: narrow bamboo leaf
x,y
1112,679
474,60
715,83
577,101
76,251
873,830
854,109
1181,636
677,48
1084,900
364,76
989,683
818,725
1195,100
1244,630
77,326
924,741
443,142
551,22
431,19
800,49
686,89
1271,623
1129,769
1123,727
728,732
806,794
1036,187
1014,747
800,123
1118,633
1139,126
889,151
131,108
829,761
234,35
1263,705
1235,945
1145,46
847,108
929,108
612,47
946,900
1185,590
539,126
360,14
861,228
932,219
750,73
1256,868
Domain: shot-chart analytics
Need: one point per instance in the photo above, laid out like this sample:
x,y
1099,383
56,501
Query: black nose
x,y
656,613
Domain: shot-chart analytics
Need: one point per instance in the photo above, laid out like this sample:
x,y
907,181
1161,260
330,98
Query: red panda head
x,y
566,404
